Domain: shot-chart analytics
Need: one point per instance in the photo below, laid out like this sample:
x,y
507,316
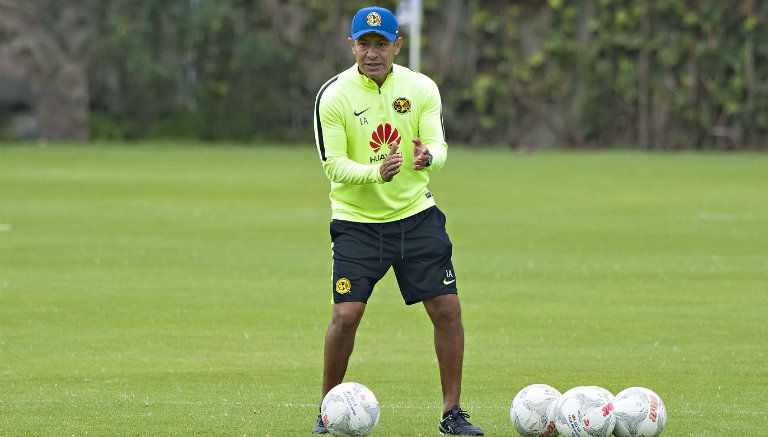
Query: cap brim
x,y
387,35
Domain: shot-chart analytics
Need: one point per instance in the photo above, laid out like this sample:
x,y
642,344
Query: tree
x,y
42,44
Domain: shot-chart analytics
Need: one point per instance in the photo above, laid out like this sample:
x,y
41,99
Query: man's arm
x,y
430,150
345,170
331,140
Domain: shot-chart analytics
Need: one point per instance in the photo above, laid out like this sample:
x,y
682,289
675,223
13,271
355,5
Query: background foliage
x,y
661,74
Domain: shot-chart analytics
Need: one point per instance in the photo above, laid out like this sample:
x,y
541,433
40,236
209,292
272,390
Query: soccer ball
x,y
533,411
350,410
639,413
585,412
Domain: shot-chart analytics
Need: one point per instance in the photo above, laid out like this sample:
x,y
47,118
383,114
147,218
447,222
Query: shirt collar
x,y
368,82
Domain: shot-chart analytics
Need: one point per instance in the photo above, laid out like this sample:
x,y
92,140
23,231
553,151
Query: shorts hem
x,y
422,298
349,299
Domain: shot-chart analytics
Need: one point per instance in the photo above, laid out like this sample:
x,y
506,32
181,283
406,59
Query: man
x,y
383,214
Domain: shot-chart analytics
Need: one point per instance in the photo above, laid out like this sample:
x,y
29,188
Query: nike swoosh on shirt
x,y
447,282
358,113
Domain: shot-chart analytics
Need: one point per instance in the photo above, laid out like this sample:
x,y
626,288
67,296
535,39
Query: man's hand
x,y
420,155
391,164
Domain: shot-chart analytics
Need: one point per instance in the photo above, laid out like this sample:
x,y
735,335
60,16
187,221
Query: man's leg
x,y
339,341
445,313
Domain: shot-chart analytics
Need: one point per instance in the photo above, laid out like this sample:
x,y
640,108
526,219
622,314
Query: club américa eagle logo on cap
x,y
373,19
384,135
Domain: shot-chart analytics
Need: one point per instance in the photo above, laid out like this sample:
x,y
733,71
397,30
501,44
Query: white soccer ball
x,y
533,411
585,411
639,413
350,410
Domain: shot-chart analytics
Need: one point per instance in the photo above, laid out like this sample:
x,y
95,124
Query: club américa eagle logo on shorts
x,y
373,19
343,286
401,105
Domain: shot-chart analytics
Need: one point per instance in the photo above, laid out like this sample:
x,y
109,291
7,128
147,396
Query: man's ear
x,y
351,43
398,44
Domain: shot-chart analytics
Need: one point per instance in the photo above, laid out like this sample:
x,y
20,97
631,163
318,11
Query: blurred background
x,y
647,74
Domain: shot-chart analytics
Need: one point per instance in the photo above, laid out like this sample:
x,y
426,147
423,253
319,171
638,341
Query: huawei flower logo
x,y
384,135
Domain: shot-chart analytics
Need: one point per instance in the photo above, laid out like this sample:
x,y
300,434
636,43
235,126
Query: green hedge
x,y
663,74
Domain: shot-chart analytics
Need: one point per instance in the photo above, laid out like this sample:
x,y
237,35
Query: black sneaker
x,y
320,426
455,423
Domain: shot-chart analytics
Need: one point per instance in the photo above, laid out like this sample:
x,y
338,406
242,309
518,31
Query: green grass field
x,y
186,290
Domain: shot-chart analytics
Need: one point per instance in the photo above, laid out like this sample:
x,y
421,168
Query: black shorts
x,y
417,247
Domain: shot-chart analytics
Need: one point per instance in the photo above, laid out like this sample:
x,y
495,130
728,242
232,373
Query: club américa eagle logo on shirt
x,y
382,137
401,105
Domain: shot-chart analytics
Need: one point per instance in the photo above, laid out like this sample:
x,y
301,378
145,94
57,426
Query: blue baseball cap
x,y
374,19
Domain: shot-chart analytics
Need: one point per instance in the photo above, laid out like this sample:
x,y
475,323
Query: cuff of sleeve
x,y
439,154
377,176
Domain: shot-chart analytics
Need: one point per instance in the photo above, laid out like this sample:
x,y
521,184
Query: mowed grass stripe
x,y
170,290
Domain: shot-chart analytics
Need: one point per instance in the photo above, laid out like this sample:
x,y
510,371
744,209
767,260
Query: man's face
x,y
374,55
